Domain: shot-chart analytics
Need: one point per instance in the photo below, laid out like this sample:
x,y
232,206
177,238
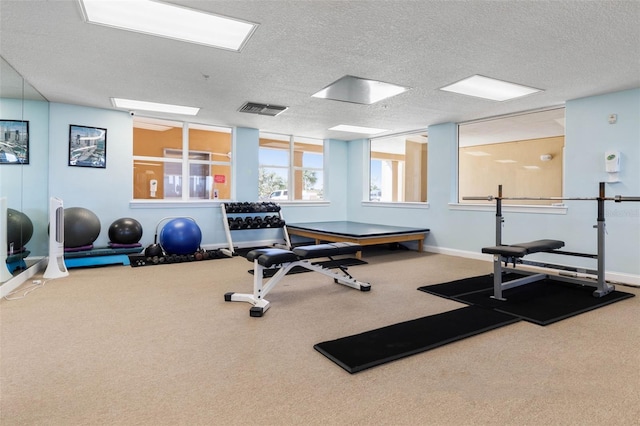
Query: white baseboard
x,y
614,277
19,279
459,253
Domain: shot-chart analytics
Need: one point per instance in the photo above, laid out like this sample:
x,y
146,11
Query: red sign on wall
x,y
219,178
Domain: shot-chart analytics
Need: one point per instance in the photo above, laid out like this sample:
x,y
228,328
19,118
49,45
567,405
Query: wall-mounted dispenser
x,y
153,187
612,165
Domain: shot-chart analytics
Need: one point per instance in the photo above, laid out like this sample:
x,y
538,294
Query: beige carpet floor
x,y
158,345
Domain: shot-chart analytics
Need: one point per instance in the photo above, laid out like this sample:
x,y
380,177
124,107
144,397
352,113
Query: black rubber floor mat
x,y
544,302
369,349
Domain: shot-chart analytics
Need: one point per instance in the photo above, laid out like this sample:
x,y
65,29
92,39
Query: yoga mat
x,y
369,349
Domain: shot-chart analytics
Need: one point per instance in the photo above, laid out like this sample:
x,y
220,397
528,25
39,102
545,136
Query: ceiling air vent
x,y
262,109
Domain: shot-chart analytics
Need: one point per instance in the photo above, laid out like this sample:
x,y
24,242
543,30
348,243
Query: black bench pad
x,y
324,250
274,256
522,249
271,256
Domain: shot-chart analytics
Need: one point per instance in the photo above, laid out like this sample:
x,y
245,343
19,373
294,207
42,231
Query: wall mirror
x,y
24,156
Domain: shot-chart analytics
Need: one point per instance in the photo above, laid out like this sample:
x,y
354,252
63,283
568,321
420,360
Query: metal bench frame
x,y
284,261
505,253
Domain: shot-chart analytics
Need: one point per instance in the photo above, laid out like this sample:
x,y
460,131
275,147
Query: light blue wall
x,y
246,144
449,229
588,136
25,186
108,191
337,169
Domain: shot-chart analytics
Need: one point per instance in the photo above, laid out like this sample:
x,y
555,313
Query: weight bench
x,y
286,260
515,252
512,252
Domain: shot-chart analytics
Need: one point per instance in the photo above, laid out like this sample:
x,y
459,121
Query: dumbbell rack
x,y
245,216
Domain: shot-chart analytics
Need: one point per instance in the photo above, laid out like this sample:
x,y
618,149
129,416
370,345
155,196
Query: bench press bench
x,y
285,260
509,254
514,253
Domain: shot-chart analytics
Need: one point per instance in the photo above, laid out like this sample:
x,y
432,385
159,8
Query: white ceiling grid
x,y
570,49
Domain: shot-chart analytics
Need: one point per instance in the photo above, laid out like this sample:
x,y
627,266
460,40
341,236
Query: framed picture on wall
x,y
87,146
14,142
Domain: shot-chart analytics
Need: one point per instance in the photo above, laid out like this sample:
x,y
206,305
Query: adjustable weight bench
x,y
509,254
285,260
515,252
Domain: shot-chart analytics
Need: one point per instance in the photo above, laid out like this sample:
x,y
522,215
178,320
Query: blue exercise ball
x,y
180,236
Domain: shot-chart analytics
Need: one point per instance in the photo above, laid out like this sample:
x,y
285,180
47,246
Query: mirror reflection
x,y
24,129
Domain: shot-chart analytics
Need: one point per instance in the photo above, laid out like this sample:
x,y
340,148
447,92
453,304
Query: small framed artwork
x,y
87,146
14,142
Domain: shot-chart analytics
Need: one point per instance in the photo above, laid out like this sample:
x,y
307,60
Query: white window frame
x,y
185,200
366,176
556,208
291,168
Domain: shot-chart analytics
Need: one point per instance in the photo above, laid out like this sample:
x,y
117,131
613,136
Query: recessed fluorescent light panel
x,y
489,88
170,21
131,104
358,129
359,90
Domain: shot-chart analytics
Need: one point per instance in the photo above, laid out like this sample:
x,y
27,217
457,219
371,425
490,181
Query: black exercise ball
x,y
153,250
81,227
125,231
19,229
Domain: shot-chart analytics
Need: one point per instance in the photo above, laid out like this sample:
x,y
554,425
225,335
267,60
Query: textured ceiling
x,y
571,49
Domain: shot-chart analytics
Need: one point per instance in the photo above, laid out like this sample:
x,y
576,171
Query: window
x,y
291,168
180,161
398,168
523,153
